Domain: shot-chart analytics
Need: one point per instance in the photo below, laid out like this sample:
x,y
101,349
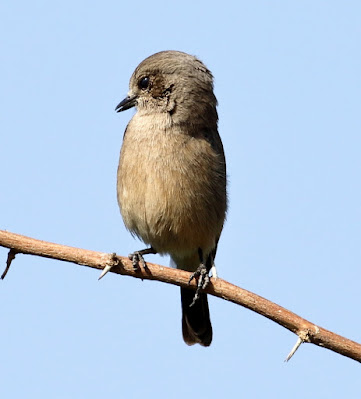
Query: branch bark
x,y
304,329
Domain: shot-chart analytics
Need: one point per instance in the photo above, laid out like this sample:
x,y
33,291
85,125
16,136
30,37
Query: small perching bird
x,y
172,174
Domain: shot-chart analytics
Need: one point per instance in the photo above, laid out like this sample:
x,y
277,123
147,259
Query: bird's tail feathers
x,y
196,323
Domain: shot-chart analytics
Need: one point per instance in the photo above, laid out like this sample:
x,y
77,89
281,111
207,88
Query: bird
x,y
171,179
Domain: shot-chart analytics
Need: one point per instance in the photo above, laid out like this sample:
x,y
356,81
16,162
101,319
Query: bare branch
x,y
305,330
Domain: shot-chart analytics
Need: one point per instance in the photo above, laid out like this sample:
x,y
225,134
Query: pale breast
x,y
171,186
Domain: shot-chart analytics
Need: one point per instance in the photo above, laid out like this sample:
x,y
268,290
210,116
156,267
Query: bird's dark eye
x,y
144,83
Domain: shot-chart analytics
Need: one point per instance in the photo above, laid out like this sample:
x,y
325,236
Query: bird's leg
x,y
213,269
137,257
202,274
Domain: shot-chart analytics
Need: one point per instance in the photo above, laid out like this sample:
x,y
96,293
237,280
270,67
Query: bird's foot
x,y
201,274
138,259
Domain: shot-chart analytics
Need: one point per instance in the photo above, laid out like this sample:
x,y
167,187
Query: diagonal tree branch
x,y
305,330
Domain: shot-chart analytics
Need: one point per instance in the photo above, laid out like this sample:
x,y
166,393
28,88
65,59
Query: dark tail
x,y
196,324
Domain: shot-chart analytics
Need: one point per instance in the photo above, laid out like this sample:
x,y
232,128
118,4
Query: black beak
x,y
127,103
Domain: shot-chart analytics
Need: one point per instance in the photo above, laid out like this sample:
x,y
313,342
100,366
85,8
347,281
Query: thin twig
x,y
11,257
217,287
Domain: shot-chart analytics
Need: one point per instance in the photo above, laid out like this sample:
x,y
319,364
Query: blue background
x,y
288,82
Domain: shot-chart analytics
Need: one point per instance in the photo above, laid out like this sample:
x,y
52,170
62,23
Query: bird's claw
x,y
137,260
203,280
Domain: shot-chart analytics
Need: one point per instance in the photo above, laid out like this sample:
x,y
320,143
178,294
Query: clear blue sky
x,y
288,82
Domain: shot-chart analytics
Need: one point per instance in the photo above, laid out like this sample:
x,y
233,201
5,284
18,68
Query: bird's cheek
x,y
171,104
